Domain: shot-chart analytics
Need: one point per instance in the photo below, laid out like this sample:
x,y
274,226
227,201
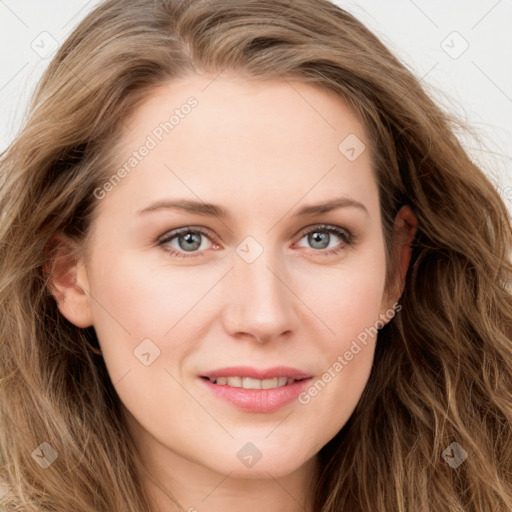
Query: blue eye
x,y
188,240
319,237
191,240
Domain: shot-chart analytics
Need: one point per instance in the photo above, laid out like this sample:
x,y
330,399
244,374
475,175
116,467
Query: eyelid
x,y
168,235
325,227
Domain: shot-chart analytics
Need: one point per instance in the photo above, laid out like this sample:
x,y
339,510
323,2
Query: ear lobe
x,y
62,266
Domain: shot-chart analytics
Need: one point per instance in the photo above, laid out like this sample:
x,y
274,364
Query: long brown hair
x,y
443,367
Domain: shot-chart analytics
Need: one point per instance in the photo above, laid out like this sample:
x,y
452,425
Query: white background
x,y
428,36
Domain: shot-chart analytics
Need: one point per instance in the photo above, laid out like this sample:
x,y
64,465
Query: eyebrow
x,y
213,210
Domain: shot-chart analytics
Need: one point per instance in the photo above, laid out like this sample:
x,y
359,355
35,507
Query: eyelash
x,y
348,239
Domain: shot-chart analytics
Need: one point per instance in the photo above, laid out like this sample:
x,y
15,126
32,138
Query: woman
x,y
247,263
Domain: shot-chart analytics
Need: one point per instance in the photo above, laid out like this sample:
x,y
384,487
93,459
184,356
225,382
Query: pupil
x,y
190,238
319,240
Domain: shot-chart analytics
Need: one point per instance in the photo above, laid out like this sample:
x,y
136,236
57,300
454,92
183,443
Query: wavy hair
x,y
442,371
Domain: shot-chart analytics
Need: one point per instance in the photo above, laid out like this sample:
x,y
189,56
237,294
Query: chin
x,y
251,464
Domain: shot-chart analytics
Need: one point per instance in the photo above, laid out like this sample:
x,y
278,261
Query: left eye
x,y
319,237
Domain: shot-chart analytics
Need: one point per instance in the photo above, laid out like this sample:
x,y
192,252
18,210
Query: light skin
x,y
261,152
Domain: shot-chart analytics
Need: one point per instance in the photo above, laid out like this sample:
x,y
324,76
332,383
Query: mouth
x,y
256,390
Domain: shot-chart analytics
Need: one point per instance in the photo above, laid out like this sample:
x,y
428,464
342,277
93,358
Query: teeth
x,y
270,383
250,383
234,382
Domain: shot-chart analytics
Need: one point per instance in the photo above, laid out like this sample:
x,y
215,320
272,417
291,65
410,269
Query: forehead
x,y
215,137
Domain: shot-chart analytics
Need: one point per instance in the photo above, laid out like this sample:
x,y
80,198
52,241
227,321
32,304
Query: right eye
x,y
185,240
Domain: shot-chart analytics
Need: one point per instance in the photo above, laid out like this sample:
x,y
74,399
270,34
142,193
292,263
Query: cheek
x,y
147,300
351,307
137,299
347,298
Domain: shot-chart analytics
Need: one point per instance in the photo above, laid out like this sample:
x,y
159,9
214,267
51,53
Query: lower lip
x,y
258,400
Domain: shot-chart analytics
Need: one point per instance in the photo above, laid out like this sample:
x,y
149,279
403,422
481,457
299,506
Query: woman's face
x,y
270,267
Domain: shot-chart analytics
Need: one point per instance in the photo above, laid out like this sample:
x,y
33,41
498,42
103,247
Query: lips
x,y
256,390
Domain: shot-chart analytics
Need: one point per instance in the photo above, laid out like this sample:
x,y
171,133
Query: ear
x,y
404,231
67,279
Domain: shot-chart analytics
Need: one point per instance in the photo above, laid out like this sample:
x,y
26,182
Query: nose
x,y
260,304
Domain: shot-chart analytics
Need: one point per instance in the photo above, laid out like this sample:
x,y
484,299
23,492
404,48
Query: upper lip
x,y
255,373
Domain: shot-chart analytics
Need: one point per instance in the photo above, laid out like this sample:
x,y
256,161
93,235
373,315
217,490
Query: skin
x,y
262,151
